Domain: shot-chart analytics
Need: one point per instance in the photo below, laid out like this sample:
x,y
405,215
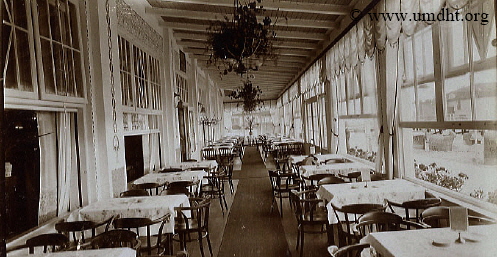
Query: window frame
x,y
445,70
41,78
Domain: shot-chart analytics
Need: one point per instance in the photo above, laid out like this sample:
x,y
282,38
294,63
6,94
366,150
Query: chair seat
x,y
316,217
180,226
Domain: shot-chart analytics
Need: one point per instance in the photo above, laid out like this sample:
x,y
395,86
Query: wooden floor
x,y
250,228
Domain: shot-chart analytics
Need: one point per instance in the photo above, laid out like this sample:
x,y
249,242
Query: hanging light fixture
x,y
250,96
241,43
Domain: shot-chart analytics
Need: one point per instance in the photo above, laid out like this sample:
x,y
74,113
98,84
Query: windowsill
x,y
357,159
47,227
481,207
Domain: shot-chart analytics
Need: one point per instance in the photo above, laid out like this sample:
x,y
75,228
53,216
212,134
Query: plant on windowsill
x,y
440,176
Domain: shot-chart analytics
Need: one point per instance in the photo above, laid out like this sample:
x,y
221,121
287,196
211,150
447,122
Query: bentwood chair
x,y
72,228
282,184
382,221
352,176
134,193
354,250
148,242
197,223
330,180
152,188
213,187
439,217
50,242
347,216
417,205
311,215
116,239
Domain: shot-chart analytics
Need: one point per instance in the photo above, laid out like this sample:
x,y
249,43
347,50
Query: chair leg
x,y
281,206
302,241
209,243
298,238
200,243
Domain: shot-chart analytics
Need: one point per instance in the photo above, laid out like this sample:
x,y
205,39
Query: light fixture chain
x,y
111,69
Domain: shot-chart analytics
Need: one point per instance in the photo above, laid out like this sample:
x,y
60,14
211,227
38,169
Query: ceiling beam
x,y
194,32
292,59
209,17
279,52
309,8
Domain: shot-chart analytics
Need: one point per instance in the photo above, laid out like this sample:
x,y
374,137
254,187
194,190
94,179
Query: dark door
x,y
133,149
22,154
183,135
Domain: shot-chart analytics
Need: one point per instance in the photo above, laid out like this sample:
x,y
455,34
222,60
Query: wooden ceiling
x,y
304,29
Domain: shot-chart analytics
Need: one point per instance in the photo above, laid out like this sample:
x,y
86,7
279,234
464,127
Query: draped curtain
x,y
154,143
48,166
59,178
68,189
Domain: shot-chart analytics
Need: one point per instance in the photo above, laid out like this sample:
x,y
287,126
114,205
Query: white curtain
x,y
48,166
68,188
154,152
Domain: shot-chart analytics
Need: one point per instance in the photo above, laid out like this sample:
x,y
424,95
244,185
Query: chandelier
x,y
241,43
250,96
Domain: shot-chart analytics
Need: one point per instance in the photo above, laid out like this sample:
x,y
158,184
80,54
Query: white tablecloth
x,y
320,157
107,252
335,168
398,190
152,207
166,178
417,243
188,165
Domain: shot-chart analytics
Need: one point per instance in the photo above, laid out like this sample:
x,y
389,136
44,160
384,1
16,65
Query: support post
x,y
3,207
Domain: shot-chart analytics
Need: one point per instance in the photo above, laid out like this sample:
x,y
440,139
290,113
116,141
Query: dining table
x,y
480,241
168,177
320,157
107,252
152,207
212,164
334,168
375,192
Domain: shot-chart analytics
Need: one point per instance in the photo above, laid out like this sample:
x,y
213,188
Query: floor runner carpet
x,y
252,229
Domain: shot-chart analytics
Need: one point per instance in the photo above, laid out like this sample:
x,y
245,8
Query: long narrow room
x,y
248,128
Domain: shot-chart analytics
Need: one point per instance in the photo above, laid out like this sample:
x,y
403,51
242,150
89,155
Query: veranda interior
x,y
98,93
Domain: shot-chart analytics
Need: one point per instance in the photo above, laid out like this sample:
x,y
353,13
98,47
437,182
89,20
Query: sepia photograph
x,y
247,128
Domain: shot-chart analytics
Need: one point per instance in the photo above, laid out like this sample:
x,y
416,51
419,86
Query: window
x,y
18,51
52,28
449,118
357,108
60,48
140,77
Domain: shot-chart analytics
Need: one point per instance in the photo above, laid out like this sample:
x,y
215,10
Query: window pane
x,y
20,17
408,60
455,40
458,98
426,102
43,18
74,25
59,69
361,138
71,85
486,95
11,75
48,71
64,24
461,160
78,74
54,20
408,104
24,60
7,14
